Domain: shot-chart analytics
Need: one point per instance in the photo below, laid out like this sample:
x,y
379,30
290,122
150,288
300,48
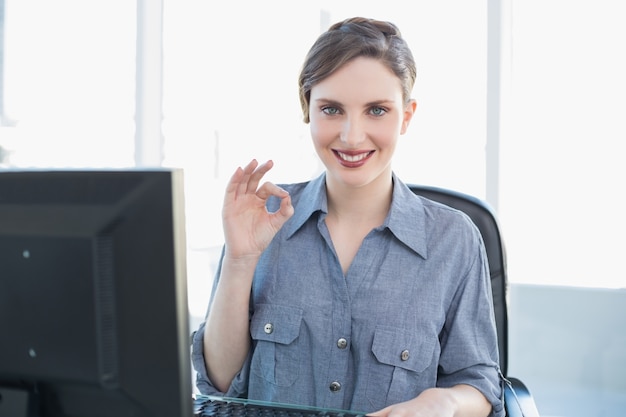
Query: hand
x,y
434,402
248,226
458,401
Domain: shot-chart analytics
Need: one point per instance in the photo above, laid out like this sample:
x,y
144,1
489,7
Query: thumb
x,y
284,212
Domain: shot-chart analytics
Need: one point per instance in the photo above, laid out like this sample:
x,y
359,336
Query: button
x,y
342,343
269,328
335,386
405,355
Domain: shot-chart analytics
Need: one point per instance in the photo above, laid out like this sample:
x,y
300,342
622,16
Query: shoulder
x,y
448,220
435,212
423,223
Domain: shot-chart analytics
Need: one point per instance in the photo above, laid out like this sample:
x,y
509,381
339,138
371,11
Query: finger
x,y
284,213
286,209
257,175
248,170
269,189
233,183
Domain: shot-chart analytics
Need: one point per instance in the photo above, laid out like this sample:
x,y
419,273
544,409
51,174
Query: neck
x,y
369,202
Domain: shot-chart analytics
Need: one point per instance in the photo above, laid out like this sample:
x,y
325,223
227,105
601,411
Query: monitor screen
x,y
93,295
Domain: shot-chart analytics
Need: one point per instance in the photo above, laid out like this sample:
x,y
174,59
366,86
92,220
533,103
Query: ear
x,y
409,111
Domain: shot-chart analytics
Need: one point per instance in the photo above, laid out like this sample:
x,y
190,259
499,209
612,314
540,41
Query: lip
x,y
352,159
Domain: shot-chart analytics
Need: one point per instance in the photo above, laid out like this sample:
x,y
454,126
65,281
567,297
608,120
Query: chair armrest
x,y
518,401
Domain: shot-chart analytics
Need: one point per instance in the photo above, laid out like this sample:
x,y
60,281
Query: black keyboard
x,y
208,406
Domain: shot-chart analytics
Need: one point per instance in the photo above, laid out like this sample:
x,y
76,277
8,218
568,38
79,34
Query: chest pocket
x,y
404,365
277,352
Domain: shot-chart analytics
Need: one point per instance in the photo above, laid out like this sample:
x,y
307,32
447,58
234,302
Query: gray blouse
x,y
414,310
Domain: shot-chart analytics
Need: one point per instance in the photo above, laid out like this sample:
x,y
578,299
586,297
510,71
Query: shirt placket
x,y
337,382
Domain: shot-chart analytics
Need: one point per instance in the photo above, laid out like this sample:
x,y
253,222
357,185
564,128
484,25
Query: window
x,y
230,94
562,169
68,89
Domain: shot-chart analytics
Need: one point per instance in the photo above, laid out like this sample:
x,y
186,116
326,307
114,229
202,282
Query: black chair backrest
x,y
485,219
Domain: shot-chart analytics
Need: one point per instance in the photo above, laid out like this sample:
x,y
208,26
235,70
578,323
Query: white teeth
x,y
353,158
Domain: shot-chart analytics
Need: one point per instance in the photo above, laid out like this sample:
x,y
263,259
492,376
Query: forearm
x,y
469,402
458,401
227,334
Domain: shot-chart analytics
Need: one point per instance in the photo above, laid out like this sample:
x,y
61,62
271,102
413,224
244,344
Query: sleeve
x,y
469,346
239,386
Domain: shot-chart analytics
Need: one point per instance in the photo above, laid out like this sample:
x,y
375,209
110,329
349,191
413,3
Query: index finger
x,y
257,174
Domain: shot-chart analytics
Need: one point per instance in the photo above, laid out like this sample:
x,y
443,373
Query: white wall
x,y
568,345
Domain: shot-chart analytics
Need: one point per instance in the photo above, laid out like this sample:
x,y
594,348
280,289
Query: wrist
x,y
240,262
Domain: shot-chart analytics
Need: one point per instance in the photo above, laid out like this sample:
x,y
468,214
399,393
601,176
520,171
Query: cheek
x,y
321,133
387,133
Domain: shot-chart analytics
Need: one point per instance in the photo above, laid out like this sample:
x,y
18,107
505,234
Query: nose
x,y
352,132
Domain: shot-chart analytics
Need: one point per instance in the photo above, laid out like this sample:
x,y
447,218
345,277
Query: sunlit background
x,y
521,103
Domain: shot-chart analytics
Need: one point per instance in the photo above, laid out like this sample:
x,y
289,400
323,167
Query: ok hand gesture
x,y
248,226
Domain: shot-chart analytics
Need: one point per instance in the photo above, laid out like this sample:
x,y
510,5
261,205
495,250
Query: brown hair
x,y
352,38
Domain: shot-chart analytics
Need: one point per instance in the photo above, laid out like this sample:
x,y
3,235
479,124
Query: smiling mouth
x,y
352,159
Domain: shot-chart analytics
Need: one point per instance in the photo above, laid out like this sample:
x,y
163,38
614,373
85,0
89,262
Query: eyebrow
x,y
369,104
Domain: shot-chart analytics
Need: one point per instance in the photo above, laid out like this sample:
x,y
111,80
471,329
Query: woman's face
x,y
356,116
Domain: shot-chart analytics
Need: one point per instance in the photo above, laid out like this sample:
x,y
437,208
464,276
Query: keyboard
x,y
210,406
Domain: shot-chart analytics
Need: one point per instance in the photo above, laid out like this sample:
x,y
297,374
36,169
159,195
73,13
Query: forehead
x,y
362,79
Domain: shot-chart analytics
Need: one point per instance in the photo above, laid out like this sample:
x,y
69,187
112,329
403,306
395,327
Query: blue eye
x,y
331,111
377,111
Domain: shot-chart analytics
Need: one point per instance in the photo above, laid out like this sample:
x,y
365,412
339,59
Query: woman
x,y
348,291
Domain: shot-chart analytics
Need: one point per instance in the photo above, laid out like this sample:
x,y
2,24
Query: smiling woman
x,y
238,100
355,138
229,94
357,220
354,126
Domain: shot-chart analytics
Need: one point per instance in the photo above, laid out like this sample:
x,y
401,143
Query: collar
x,y
312,199
406,218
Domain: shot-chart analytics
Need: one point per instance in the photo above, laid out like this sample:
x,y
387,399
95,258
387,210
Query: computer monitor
x,y
93,296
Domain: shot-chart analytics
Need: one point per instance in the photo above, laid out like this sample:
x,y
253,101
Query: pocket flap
x,y
398,347
275,323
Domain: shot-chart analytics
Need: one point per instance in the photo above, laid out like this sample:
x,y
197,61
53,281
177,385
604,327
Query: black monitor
x,y
93,295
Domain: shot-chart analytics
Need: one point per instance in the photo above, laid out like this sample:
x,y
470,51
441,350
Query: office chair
x,y
518,400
